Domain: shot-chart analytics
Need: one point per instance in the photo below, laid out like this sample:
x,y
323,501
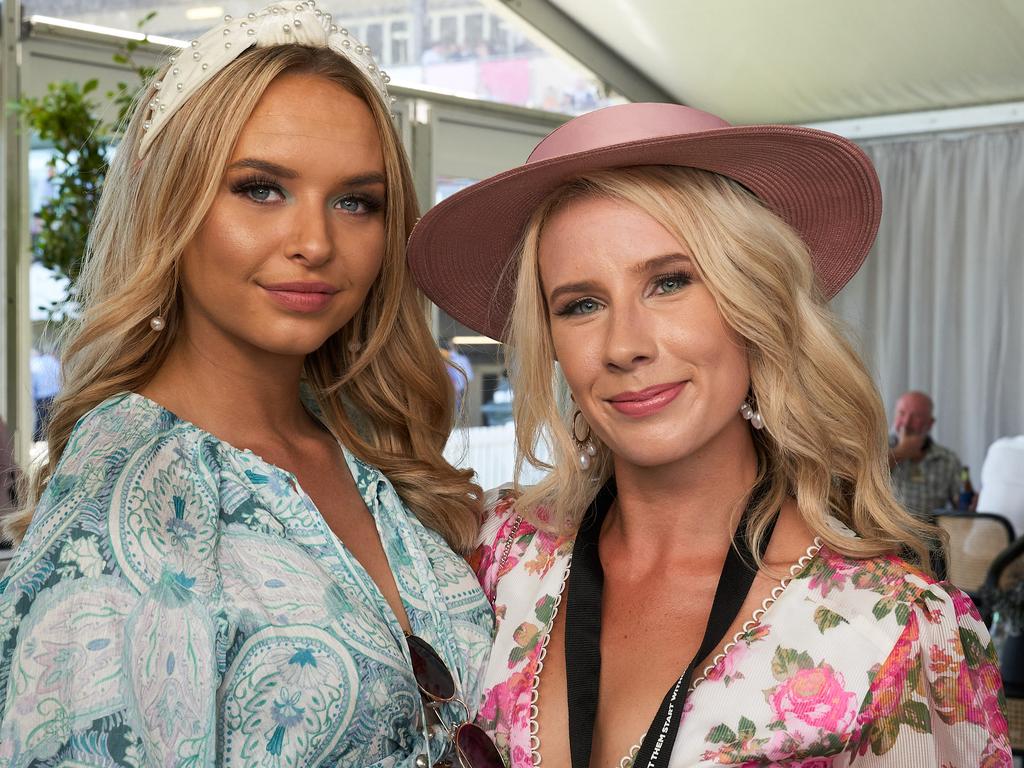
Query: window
x,y
499,37
449,30
457,46
474,30
375,39
399,43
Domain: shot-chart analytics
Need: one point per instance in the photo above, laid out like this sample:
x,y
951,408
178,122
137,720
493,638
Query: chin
x,y
650,456
292,344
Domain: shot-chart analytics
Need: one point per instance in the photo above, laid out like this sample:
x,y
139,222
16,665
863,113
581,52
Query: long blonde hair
x,y
825,442
391,403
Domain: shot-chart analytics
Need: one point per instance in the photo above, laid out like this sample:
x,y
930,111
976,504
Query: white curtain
x,y
939,304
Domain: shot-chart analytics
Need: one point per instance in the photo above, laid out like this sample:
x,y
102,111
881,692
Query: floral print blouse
x,y
180,602
857,662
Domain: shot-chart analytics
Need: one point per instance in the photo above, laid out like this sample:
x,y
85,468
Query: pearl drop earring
x,y
354,346
585,448
748,412
157,323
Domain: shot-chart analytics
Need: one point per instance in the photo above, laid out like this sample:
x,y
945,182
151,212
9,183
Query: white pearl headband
x,y
277,24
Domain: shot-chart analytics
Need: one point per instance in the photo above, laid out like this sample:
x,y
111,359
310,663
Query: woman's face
x,y
295,236
646,353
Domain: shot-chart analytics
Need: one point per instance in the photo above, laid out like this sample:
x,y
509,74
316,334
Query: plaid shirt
x,y
929,484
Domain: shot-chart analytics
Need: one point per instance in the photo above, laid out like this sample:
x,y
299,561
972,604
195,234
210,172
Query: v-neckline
x,y
757,618
345,556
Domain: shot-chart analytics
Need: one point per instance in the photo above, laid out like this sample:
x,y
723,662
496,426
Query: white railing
x,y
491,453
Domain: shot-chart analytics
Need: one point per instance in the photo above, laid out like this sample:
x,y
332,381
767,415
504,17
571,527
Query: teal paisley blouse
x,y
180,602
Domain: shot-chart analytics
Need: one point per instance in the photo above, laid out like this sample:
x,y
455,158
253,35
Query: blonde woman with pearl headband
x,y
247,548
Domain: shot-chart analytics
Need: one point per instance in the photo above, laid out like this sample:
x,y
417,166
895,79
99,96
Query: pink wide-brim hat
x,y
461,252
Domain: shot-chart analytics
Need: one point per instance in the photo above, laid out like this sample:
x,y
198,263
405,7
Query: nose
x,y
310,239
630,340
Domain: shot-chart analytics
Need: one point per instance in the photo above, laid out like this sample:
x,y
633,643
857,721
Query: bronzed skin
x,y
300,201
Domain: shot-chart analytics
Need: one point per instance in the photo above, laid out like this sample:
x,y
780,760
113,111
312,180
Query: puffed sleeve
x,y
937,700
499,519
110,631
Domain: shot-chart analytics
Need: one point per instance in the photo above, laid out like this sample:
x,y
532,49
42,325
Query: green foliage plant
x,y
71,120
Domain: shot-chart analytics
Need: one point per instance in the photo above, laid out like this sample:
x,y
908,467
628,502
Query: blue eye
x,y
672,283
258,190
260,193
580,307
359,205
352,205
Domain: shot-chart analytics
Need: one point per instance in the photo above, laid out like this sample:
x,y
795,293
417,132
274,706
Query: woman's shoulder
x,y
888,590
510,537
121,427
933,655
133,490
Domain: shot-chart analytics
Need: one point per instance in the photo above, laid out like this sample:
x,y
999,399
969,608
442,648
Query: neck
x,y
690,506
243,395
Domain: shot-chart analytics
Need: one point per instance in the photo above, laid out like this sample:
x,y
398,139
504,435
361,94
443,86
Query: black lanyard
x,y
583,633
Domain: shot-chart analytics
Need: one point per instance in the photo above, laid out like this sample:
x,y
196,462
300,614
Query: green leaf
x,y
882,608
787,662
90,85
917,715
546,610
826,619
747,729
119,58
974,651
902,613
882,734
721,734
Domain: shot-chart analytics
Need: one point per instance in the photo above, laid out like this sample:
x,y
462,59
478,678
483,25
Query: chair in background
x,y
975,539
1006,571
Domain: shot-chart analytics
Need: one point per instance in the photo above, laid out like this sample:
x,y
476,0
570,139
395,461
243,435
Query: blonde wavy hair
x,y
391,403
825,440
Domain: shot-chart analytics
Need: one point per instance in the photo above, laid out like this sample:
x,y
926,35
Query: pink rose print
x,y
728,667
816,697
888,689
962,604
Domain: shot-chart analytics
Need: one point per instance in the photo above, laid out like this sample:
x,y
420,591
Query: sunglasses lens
x,y
430,671
476,749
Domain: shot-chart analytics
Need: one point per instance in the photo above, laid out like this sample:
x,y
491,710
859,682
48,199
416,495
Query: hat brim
x,y
462,252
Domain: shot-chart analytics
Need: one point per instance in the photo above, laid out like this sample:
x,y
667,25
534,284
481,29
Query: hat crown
x,y
623,123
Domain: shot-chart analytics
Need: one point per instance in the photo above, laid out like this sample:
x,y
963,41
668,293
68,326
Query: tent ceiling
x,y
807,60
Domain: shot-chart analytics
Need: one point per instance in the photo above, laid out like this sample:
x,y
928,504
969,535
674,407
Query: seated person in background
x,y
925,475
1002,481
460,370
45,386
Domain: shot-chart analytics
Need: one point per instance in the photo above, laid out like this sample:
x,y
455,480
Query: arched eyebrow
x,y
283,172
272,169
656,263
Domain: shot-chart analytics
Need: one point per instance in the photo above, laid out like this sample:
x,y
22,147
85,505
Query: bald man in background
x,y
925,475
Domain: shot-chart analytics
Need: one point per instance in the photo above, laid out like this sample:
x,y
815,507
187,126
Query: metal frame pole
x,y
16,330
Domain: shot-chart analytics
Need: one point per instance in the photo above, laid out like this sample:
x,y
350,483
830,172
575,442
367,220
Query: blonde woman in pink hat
x,y
715,571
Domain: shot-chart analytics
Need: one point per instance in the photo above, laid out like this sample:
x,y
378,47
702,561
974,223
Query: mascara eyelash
x,y
254,181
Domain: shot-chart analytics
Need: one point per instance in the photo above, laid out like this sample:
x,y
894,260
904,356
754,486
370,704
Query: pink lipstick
x,y
646,401
301,296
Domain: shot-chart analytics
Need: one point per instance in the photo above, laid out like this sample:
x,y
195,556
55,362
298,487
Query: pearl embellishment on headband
x,y
277,24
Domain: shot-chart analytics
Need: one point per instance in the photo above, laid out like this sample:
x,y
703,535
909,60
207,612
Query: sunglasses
x,y
471,746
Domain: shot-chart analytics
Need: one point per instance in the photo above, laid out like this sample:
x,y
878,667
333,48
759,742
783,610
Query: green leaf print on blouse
x,y
826,619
